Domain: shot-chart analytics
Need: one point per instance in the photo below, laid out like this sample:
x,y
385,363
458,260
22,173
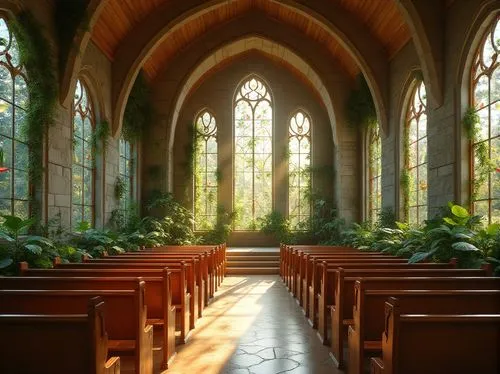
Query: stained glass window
x,y
417,155
299,170
374,173
253,153
486,146
126,175
14,178
82,198
205,172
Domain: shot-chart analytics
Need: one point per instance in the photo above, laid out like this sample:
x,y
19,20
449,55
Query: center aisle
x,y
253,326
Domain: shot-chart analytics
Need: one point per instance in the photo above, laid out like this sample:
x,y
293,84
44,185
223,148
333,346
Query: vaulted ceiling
x,y
120,19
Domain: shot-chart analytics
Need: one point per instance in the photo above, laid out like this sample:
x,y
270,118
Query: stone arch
x,y
428,37
233,49
364,49
81,39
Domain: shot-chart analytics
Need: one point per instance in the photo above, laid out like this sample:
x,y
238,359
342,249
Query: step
x,y
252,258
257,264
244,253
251,271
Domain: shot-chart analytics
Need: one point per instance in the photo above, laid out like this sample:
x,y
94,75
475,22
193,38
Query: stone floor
x,y
252,326
253,249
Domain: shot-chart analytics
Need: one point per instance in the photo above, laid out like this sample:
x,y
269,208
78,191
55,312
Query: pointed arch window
x,y
126,172
82,197
486,145
374,173
299,170
253,153
205,172
416,160
14,96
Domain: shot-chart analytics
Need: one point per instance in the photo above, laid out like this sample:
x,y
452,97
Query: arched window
x,y
416,160
299,170
374,173
14,152
126,172
205,172
253,153
82,198
486,144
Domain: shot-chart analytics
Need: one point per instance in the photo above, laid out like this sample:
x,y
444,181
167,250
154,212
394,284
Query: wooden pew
x,y
57,344
341,311
421,296
438,343
321,295
129,335
178,289
192,288
197,287
157,297
202,280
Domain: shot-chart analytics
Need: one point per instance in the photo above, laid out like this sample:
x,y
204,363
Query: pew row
x,y
57,344
128,333
341,311
438,343
418,295
178,289
157,297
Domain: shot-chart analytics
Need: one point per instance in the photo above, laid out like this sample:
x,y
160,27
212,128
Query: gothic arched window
x,y
253,153
205,172
82,197
374,173
14,151
416,161
485,150
299,170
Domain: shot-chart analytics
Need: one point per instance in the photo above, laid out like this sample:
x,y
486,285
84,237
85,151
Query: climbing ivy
x,y
482,165
139,110
360,107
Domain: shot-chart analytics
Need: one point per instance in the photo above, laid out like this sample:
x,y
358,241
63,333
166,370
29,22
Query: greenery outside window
x,y
14,151
374,173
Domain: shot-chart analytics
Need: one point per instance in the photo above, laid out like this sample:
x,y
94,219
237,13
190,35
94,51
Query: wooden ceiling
x,y
119,18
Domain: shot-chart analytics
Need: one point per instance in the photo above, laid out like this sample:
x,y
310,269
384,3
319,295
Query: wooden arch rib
x,y
367,53
75,54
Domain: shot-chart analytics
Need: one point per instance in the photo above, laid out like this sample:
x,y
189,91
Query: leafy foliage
x,y
360,106
138,112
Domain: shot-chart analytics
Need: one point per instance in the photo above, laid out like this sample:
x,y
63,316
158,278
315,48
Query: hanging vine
x,y
482,165
360,107
36,55
139,110
405,180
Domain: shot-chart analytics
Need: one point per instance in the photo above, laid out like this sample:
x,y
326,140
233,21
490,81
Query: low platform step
x,y
249,253
252,258
251,271
256,264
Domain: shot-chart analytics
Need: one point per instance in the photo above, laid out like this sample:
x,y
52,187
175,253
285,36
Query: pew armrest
x,y
112,366
376,365
147,350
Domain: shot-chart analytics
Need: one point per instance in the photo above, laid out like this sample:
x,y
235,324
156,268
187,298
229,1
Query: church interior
x,y
249,186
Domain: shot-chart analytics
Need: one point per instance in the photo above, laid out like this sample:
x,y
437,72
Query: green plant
x,y
139,111
447,237
36,54
404,182
483,165
223,228
277,225
360,106
488,241
16,246
120,188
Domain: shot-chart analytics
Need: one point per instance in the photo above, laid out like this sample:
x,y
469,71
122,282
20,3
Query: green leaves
x,y
459,211
465,247
15,224
6,262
